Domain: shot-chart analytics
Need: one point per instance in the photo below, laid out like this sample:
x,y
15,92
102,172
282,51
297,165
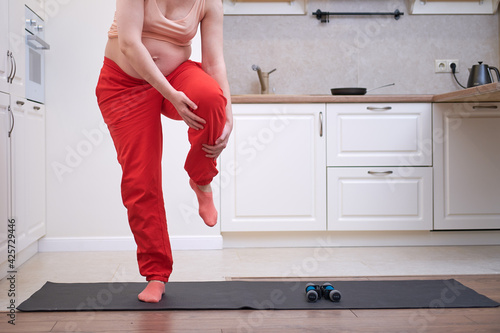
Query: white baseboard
x,y
360,238
82,244
280,239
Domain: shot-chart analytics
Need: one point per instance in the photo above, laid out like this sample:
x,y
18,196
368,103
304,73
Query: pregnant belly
x,y
166,56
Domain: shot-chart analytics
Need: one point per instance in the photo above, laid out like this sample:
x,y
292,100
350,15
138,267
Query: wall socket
x,y
443,65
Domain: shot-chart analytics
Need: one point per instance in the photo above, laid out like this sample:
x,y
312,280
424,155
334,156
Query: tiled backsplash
x,y
366,51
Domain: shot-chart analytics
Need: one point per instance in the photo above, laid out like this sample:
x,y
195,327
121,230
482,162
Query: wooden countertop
x,y
485,93
249,99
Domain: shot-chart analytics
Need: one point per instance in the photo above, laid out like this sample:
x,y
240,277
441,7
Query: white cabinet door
x,y
28,171
273,172
379,134
17,46
18,167
4,46
34,227
467,166
5,122
380,198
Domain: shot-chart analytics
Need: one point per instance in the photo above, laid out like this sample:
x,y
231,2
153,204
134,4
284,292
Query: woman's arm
x,y
130,20
214,65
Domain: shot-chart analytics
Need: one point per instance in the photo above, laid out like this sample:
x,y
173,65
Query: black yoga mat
x,y
229,295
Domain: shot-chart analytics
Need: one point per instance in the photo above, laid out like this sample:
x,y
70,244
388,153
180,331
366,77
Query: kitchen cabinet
x,y
5,122
22,176
379,134
17,47
264,7
273,171
4,46
12,47
22,164
453,6
380,198
466,166
28,171
379,166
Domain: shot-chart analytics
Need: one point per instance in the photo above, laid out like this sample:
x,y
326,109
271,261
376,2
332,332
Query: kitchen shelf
x,y
264,7
470,7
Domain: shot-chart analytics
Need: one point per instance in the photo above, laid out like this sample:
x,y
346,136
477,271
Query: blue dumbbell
x,y
313,292
330,293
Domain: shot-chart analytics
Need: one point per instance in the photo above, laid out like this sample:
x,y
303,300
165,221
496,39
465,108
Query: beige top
x,y
157,26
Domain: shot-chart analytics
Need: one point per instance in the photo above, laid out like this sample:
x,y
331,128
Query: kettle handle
x,y
496,71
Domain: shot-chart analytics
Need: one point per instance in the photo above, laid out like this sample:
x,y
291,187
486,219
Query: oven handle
x,y
43,44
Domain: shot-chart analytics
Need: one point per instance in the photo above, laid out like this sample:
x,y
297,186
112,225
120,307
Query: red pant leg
x,y
205,92
131,109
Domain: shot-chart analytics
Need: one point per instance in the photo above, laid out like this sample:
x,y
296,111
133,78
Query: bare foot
x,y
206,203
153,292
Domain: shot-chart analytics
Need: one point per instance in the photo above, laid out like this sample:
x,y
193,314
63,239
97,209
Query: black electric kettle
x,y
481,74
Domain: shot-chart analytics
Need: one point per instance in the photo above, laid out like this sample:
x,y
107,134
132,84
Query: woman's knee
x,y
210,97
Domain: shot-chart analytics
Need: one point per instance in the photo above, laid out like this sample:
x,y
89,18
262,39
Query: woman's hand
x,y
185,107
221,143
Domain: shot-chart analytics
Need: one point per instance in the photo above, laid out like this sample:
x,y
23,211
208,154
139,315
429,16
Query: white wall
x,y
84,208
311,57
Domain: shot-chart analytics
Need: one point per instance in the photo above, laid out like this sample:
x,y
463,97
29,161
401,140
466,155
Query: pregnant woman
x,y
147,73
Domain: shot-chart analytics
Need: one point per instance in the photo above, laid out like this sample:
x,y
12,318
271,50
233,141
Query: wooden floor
x,y
400,321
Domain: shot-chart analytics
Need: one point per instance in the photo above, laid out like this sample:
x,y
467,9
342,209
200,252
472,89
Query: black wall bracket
x,y
324,17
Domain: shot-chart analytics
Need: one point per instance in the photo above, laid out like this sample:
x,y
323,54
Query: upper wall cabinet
x,y
264,7
453,6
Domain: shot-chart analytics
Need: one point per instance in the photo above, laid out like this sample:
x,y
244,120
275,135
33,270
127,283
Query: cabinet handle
x,y
321,124
36,108
372,108
477,107
9,56
379,173
20,103
12,123
15,67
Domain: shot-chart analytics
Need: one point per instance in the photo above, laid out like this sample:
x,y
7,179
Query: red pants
x,y
132,110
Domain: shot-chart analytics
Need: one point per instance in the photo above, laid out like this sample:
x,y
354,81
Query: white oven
x,y
35,57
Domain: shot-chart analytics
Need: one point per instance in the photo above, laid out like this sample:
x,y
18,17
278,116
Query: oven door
x,y
35,57
35,74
